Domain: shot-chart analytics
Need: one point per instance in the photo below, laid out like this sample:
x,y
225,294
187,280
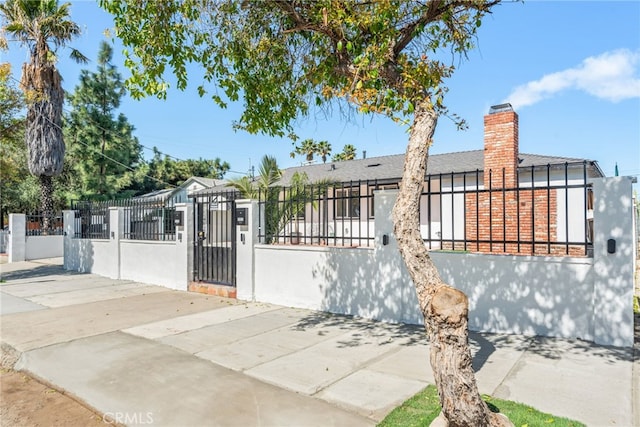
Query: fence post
x,y
184,246
393,283
17,245
613,262
247,237
70,251
116,231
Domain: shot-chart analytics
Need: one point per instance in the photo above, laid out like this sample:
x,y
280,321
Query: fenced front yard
x,y
133,239
332,248
552,292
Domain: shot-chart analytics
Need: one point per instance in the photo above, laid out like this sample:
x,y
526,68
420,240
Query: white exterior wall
x,y
38,247
613,271
160,263
101,257
312,277
21,247
151,262
4,241
586,298
17,235
247,237
547,296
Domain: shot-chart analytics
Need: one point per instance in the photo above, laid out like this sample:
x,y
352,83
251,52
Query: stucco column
x,y
247,237
184,246
17,247
613,251
69,250
116,231
392,277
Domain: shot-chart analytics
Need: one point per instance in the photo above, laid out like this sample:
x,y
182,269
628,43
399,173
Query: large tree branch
x,y
434,10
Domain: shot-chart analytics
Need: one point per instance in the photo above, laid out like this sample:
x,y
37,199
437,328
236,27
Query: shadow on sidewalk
x,y
41,271
483,345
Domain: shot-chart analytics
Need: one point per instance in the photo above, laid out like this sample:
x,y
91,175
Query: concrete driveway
x,y
148,355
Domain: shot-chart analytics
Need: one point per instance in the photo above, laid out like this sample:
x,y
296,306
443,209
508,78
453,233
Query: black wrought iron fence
x,y
143,219
546,210
149,219
91,219
44,224
321,214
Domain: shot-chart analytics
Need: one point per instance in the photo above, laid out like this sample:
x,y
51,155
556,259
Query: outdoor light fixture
x,y
385,239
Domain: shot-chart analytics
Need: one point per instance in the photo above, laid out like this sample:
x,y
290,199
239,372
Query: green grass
x,y
422,408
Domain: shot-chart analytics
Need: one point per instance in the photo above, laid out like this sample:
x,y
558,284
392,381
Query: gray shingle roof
x,y
390,167
210,182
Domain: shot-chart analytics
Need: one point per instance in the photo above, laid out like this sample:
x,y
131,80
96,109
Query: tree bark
x,y
46,203
444,308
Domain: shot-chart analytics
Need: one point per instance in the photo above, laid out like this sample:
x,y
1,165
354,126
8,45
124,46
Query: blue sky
x,y
571,69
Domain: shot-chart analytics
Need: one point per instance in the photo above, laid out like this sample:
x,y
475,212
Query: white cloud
x,y
613,76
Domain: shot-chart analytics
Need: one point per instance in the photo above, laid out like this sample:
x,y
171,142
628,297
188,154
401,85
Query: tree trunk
x,y
46,203
445,309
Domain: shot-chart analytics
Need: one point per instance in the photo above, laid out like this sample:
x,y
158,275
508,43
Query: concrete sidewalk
x,y
148,355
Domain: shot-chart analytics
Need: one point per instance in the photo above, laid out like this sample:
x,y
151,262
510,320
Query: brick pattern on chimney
x,y
503,219
501,149
496,221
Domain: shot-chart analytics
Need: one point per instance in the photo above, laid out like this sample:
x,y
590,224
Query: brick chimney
x,y
501,146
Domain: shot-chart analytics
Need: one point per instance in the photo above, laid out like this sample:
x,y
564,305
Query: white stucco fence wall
x,y
39,247
546,296
586,298
157,263
163,263
569,297
21,247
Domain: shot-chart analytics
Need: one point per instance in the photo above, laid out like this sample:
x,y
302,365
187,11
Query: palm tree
x,y
348,153
263,186
323,148
268,174
38,25
307,148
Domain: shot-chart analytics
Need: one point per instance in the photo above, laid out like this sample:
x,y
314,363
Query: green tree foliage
x,y
309,148
281,204
283,56
19,190
263,187
42,26
348,153
100,143
13,165
269,174
163,171
323,148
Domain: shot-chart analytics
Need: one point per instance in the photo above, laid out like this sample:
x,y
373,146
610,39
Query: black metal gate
x,y
214,259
